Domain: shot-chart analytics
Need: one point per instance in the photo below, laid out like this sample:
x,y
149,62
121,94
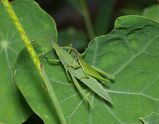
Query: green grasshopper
x,y
93,71
68,61
78,71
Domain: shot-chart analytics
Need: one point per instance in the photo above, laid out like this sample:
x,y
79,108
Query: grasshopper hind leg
x,y
81,91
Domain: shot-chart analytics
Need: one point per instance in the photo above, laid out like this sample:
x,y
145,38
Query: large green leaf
x,y
130,52
152,12
40,28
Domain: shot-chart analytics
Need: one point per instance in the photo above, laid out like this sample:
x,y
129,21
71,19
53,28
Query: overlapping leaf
x,y
40,28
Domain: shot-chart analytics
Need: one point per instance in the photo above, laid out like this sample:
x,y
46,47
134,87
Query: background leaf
x,y
75,3
152,12
102,24
129,52
71,36
40,28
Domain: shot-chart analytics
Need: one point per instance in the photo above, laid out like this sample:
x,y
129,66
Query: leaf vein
x,y
113,114
133,93
134,56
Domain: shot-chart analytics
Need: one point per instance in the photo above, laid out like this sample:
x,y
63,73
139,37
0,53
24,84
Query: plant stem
x,y
35,59
87,19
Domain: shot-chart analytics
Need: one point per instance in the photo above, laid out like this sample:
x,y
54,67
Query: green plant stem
x,y
35,59
87,19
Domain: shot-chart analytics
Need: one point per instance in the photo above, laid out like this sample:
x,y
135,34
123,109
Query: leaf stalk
x,y
87,19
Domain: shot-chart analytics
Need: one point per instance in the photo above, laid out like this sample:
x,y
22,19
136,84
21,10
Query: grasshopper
x,y
77,71
68,62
